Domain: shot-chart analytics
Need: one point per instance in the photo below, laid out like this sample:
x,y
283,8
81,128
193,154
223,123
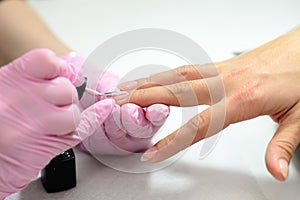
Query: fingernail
x,y
129,85
121,97
284,168
149,154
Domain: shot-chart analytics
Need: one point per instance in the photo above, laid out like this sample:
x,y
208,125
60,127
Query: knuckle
x,y
223,67
180,90
198,125
166,142
287,145
169,146
170,94
234,74
248,97
145,81
189,72
142,93
184,71
195,122
177,89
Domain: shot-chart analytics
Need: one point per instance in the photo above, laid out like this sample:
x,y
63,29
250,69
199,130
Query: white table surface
x,y
235,168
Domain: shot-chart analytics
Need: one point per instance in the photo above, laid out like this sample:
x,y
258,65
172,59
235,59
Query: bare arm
x,y
22,30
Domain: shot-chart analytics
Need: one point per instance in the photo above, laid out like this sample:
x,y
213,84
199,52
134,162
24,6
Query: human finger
x,y
40,63
44,64
199,127
157,114
180,74
59,91
188,93
93,118
281,149
113,124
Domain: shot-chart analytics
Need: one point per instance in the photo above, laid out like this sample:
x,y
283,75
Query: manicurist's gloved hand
x,y
39,116
129,128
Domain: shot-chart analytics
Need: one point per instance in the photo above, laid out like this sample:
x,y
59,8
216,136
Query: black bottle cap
x,y
60,173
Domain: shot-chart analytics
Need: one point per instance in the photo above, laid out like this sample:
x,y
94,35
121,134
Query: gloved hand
x,y
129,128
38,116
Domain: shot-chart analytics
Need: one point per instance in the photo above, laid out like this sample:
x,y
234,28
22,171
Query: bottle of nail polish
x,y
60,173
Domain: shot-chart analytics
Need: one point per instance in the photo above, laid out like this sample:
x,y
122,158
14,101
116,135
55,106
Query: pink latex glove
x,y
128,128
38,116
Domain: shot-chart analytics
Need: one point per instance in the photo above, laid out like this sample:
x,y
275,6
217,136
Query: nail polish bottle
x,y
60,173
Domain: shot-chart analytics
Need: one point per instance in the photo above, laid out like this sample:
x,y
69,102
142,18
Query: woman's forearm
x,y
22,30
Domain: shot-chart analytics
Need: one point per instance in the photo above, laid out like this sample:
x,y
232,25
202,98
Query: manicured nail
x,y
129,85
284,168
149,154
121,98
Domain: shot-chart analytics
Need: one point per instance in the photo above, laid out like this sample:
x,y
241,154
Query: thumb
x,y
93,117
281,149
